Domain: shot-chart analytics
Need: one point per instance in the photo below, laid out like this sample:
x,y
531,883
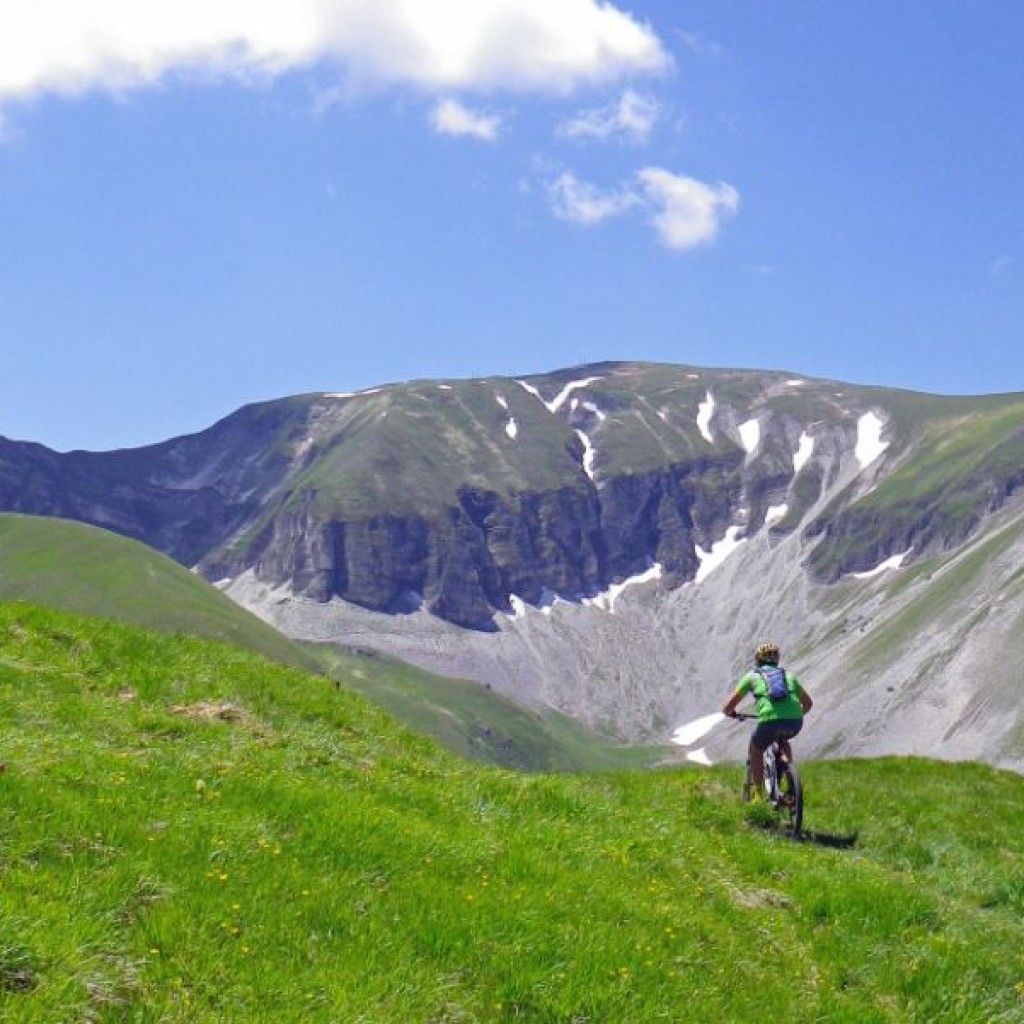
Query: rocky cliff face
x,y
465,497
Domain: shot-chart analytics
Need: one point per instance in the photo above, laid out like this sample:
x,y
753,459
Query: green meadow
x,y
78,568
189,832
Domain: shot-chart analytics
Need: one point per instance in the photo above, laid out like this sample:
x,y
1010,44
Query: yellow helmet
x,y
767,654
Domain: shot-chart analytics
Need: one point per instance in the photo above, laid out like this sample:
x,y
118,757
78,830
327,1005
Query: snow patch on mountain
x,y
562,397
775,513
805,449
705,411
750,435
589,454
720,551
869,439
512,428
895,562
688,734
352,394
606,601
544,606
502,401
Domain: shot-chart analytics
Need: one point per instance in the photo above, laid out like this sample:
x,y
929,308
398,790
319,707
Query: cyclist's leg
x,y
760,740
787,730
756,755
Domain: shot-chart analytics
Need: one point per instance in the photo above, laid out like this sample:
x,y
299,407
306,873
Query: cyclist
x,y
780,719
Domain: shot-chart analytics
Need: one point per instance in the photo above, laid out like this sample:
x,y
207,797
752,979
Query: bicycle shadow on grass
x,y
829,840
808,836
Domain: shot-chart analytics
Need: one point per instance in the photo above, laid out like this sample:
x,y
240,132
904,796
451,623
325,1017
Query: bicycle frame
x,y
783,788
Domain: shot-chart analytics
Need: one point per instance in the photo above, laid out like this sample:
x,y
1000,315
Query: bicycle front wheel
x,y
791,798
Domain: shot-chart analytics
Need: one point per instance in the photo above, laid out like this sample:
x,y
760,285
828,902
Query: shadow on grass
x,y
829,840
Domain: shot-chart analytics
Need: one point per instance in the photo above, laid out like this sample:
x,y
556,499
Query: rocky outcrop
x,y
466,563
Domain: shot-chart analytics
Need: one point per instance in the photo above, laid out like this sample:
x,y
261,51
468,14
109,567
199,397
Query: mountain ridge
x,y
506,529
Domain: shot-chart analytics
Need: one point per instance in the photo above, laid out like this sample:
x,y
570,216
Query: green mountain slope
x,y
479,723
79,568
188,833
83,569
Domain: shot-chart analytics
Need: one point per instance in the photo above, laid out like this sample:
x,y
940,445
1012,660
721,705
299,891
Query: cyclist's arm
x,y
805,701
729,707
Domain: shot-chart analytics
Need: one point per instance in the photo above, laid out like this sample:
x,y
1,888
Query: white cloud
x,y
686,212
450,117
73,46
583,203
633,117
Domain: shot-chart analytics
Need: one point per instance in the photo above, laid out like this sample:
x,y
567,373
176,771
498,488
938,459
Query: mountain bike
x,y
782,785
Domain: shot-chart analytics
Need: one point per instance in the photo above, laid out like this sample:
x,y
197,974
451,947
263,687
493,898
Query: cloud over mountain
x,y
67,47
451,117
631,118
686,212
583,203
683,211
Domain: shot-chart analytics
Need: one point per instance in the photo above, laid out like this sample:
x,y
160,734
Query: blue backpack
x,y
776,685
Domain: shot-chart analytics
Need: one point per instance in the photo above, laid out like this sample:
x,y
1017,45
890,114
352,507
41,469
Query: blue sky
x,y
213,203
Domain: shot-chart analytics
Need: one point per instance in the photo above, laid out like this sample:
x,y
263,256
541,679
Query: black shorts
x,y
767,733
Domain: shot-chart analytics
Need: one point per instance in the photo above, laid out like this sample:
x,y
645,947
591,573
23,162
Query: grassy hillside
x,y
82,569
78,568
189,833
480,723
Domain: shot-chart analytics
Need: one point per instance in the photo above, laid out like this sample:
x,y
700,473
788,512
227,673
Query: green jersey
x,y
772,710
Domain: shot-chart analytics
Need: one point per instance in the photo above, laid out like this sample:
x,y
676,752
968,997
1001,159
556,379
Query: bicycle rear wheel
x,y
791,797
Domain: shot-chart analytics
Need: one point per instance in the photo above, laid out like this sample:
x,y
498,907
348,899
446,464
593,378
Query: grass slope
x,y
479,723
83,569
189,833
79,568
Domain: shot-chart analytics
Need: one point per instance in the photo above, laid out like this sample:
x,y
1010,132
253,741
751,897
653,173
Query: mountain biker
x,y
779,719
